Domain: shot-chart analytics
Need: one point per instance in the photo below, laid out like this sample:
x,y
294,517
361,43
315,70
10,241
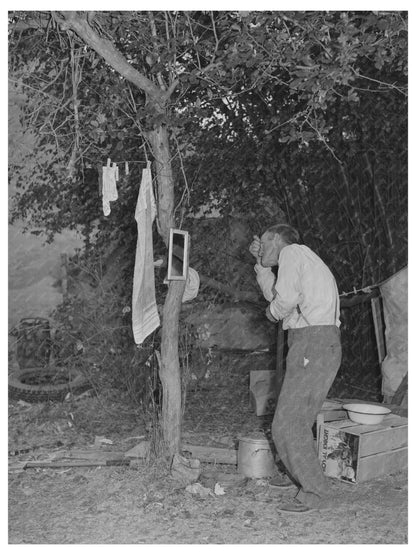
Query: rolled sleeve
x,y
266,280
288,292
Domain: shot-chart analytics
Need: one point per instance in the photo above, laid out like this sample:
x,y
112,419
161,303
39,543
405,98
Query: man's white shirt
x,y
305,292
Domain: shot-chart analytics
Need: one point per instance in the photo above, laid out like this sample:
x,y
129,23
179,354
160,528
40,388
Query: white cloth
x,y
191,286
395,308
305,292
109,187
145,317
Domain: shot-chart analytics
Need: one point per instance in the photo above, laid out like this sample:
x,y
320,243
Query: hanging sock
x,y
109,187
115,169
145,316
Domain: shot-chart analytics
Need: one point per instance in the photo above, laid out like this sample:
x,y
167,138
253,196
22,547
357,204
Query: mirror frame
x,y
185,261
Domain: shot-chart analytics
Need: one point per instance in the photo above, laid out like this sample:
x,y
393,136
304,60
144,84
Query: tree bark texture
x,y
159,140
170,372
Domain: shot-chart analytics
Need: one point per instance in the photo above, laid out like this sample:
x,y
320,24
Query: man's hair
x,y
287,232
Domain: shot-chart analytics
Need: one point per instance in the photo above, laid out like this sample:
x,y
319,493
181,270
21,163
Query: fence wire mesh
x,y
357,223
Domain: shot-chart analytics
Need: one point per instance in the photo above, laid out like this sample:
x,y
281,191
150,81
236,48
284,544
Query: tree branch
x,y
159,76
106,49
384,83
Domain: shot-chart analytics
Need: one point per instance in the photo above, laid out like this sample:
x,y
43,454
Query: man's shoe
x,y
294,507
281,481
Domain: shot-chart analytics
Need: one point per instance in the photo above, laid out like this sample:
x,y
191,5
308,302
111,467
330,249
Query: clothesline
x,y
368,288
355,291
112,167
147,161
109,175
129,161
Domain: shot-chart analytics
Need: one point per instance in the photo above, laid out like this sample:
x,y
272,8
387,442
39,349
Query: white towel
x,y
144,310
191,286
109,187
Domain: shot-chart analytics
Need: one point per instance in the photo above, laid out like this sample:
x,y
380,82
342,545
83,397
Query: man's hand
x,y
254,248
269,315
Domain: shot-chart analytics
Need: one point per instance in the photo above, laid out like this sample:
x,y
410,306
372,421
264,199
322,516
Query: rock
x,y
249,514
232,327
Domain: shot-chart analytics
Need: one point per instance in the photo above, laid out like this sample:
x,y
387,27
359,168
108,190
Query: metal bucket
x,y
255,458
33,342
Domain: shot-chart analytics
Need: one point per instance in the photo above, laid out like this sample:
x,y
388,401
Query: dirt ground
x,y
145,505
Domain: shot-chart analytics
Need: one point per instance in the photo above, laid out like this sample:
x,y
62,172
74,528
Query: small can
x,y
255,458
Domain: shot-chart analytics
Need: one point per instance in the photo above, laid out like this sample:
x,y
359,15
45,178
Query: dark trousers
x,y
312,363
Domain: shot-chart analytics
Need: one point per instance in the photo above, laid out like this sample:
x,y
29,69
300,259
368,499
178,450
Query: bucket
x,y
255,458
33,343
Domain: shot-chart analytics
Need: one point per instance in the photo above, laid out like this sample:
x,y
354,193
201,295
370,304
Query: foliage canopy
x,y
303,111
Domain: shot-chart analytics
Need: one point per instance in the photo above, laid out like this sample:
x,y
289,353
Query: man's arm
x,y
288,287
266,280
265,277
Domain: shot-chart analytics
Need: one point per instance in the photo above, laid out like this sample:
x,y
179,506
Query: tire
x,y
37,385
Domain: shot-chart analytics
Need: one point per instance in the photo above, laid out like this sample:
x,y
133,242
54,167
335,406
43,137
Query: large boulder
x,y
238,326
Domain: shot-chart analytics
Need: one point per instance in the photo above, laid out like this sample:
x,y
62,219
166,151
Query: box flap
x,y
340,424
330,404
390,421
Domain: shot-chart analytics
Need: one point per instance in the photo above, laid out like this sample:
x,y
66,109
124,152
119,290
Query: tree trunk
x,y
159,139
170,372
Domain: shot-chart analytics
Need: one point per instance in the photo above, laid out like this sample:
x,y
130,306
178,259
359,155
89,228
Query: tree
x,y
240,85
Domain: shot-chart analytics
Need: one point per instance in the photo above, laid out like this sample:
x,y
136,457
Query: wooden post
x,y
401,391
378,327
64,275
280,362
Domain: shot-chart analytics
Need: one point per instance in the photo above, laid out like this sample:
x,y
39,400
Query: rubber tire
x,y
46,392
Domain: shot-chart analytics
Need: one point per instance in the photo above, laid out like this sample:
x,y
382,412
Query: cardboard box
x,y
263,398
356,452
331,410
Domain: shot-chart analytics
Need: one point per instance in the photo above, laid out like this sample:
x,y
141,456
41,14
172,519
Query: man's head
x,y
273,240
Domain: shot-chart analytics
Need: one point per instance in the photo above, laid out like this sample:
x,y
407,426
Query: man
x,y
305,297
